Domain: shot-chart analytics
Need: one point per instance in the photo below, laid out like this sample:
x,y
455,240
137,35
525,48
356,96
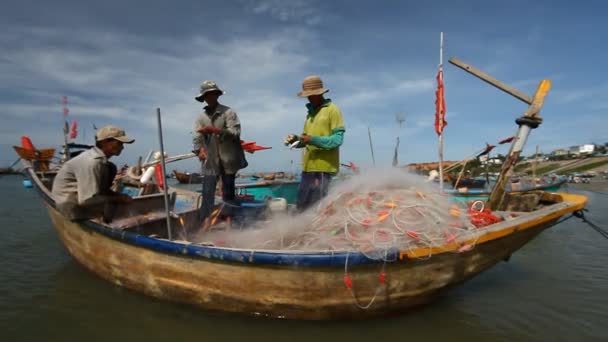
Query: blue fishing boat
x,y
264,189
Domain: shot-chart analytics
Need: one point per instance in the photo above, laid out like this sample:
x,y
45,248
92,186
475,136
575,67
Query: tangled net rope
x,y
375,222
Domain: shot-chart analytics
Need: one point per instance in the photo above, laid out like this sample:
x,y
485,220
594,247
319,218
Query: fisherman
x,y
82,187
217,143
322,137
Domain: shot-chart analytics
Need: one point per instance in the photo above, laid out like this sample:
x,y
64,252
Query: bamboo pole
x,y
371,146
460,175
534,166
491,80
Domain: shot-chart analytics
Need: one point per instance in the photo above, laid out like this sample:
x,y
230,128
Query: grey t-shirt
x,y
77,186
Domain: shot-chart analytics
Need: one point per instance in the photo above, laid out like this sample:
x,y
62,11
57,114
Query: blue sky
x,y
117,61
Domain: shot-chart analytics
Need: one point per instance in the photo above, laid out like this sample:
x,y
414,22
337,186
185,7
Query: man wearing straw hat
x,y
217,141
81,189
322,137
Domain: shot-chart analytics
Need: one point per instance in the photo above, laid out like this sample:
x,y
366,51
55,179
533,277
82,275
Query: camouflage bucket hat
x,y
206,87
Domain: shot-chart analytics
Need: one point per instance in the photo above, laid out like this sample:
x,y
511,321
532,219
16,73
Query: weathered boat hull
x,y
294,285
280,291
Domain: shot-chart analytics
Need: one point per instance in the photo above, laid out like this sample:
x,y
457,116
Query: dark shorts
x,y
313,187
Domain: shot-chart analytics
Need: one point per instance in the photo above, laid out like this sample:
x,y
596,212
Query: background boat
x,y
263,189
187,177
465,194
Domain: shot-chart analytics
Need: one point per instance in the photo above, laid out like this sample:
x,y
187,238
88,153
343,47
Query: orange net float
x,y
483,218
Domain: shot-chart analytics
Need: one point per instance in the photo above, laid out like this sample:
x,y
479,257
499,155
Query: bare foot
x,y
206,225
228,223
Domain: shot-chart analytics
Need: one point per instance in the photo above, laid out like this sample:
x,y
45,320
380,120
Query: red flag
x,y
251,146
507,140
487,150
74,131
440,122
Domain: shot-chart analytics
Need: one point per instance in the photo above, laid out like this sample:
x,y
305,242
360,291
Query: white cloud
x,y
306,11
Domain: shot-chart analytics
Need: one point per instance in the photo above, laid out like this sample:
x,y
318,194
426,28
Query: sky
x,y
118,61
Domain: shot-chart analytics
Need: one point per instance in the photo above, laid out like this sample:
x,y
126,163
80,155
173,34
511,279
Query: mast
x,y
66,129
371,147
528,121
400,119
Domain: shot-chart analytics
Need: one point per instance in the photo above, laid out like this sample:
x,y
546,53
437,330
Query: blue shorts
x,y
313,187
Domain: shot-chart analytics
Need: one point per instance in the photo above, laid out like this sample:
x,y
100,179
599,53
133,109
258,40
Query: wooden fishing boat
x,y
41,157
187,177
464,194
135,251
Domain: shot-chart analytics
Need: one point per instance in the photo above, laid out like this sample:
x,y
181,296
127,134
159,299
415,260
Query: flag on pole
x,y
486,151
440,122
507,140
74,131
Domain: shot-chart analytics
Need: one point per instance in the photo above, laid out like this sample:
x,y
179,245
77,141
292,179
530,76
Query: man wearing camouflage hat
x,y
81,189
217,141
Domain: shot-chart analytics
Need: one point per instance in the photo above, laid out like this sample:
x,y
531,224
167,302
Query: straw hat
x,y
208,86
113,132
312,85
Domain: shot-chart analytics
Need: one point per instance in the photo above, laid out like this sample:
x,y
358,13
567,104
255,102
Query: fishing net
x,y
370,221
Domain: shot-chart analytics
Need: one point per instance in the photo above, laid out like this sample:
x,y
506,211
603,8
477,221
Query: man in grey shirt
x,y
82,185
217,141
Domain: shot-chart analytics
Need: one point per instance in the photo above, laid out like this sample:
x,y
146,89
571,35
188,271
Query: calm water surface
x,y
554,289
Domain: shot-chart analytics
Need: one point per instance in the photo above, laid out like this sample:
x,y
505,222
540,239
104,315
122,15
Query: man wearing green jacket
x,y
322,137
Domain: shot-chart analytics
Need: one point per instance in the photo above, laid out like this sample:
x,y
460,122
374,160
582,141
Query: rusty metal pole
x,y
164,169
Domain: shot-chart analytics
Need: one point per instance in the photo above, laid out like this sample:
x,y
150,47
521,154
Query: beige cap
x,y
113,132
312,85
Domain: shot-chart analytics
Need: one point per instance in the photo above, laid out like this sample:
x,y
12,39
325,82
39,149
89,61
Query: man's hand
x,y
305,139
202,154
290,139
209,130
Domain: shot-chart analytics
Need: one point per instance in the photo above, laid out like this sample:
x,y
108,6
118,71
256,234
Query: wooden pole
x,y
460,175
527,122
491,80
534,166
371,146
